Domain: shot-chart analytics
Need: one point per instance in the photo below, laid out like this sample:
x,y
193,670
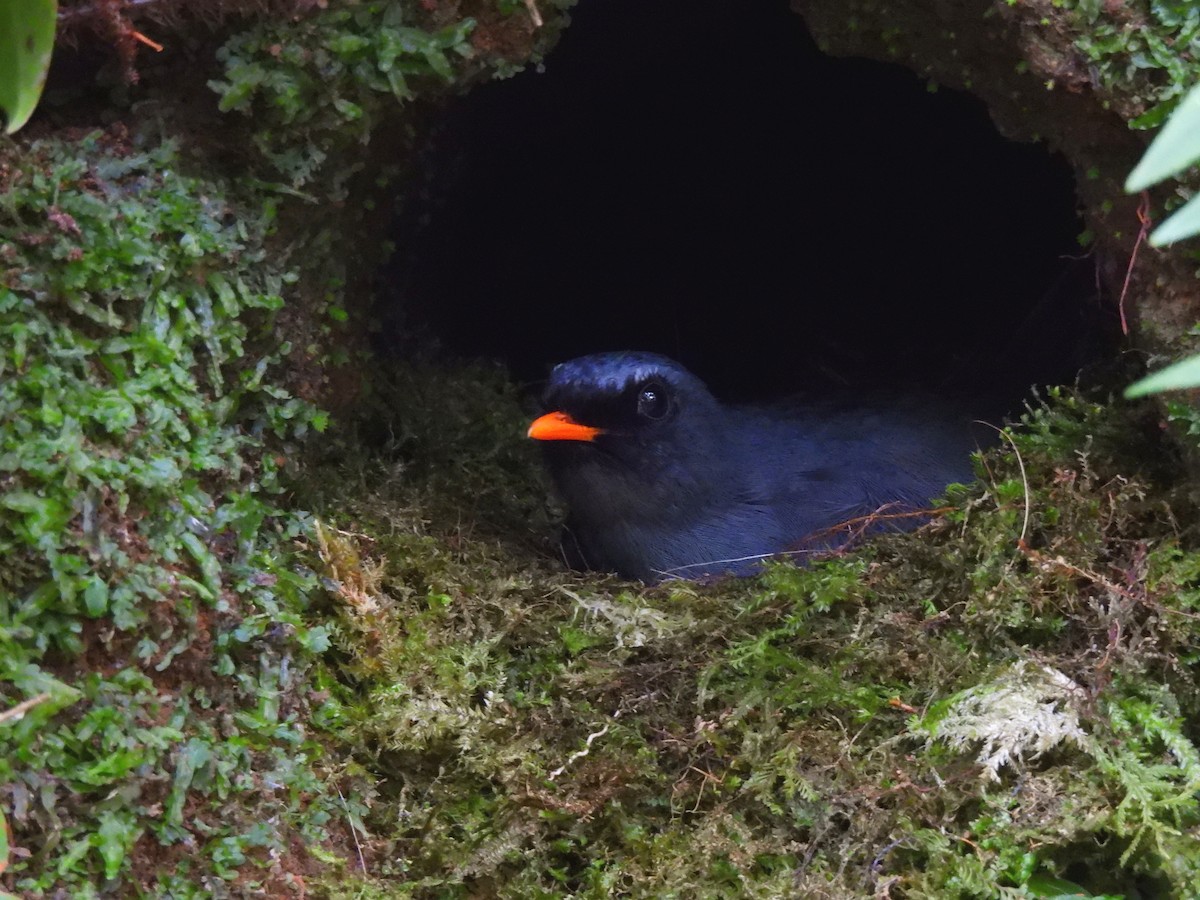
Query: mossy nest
x,y
996,705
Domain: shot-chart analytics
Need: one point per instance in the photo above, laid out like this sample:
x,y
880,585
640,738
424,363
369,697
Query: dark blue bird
x,y
662,480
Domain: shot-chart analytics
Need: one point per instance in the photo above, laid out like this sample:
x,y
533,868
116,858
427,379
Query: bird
x,y
662,480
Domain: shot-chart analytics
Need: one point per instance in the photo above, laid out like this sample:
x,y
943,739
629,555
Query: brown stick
x,y
23,707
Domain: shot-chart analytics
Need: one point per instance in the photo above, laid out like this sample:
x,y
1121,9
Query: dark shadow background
x,y
694,177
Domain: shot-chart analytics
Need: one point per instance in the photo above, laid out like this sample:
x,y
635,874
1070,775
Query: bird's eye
x,y
653,401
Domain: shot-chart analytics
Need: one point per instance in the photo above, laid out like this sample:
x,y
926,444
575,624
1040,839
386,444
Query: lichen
x,y
1025,712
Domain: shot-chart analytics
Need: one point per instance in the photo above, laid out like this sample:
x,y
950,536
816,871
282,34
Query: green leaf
x,y
95,597
1175,148
1183,224
398,85
114,838
438,62
1051,887
1183,374
26,41
210,568
43,515
191,758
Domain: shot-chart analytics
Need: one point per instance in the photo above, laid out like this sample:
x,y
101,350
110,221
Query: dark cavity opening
x,y
695,178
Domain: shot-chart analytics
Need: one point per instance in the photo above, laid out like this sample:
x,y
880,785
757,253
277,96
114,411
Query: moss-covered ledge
x,y
1001,705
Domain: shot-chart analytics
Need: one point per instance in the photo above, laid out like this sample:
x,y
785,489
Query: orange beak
x,y
558,426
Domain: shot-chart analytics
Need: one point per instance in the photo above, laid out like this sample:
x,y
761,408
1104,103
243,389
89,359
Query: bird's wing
x,y
822,471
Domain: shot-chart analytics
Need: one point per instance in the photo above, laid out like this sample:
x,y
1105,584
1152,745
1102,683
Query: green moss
x,y
316,86
1143,54
494,724
155,614
415,699
531,732
148,594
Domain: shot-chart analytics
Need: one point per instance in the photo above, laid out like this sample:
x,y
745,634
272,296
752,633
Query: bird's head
x,y
630,434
